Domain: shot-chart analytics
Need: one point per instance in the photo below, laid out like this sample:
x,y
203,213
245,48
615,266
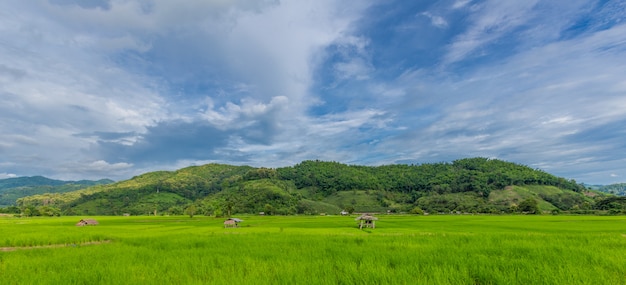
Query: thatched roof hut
x,y
367,220
232,222
86,222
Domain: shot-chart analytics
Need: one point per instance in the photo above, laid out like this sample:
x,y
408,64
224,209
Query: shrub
x,y
417,211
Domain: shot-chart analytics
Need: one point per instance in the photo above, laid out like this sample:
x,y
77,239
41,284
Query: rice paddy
x,y
315,250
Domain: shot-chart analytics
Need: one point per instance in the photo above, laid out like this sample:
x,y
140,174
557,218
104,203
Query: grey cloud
x,y
167,142
612,134
170,141
9,73
85,4
108,136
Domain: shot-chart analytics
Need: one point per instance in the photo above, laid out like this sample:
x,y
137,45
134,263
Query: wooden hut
x,y
232,223
367,220
86,222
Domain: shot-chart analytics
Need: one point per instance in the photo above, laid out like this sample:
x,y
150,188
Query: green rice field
x,y
436,249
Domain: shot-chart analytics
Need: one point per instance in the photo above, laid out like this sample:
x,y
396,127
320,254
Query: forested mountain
x,y
310,187
616,189
12,189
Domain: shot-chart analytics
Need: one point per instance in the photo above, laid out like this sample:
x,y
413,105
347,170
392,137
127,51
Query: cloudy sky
x,y
94,89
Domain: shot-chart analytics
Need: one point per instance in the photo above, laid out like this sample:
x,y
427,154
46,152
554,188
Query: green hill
x,y
12,189
474,185
615,189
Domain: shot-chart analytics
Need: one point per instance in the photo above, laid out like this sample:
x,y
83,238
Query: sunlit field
x,y
315,250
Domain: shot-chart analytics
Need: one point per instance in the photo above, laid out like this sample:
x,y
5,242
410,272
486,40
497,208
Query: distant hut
x,y
86,222
344,213
232,223
367,220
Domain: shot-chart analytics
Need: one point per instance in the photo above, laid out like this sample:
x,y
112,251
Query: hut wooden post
x,y
368,220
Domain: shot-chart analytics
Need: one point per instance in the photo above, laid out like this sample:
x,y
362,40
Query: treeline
x,y
464,185
616,189
479,175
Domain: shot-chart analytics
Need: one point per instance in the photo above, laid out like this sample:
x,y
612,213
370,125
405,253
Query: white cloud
x,y
436,21
7,175
356,68
491,21
104,89
460,4
237,116
103,166
72,73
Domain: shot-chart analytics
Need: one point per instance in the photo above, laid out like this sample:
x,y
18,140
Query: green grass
x,y
316,250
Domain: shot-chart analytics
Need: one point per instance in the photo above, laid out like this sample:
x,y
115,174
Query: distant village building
x,y
261,213
344,213
86,222
232,223
367,220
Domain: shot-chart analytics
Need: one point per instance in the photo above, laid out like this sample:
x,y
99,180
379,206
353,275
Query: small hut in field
x,y
86,222
367,220
232,223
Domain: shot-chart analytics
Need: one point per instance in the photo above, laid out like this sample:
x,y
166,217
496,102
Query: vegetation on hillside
x,y
473,185
615,189
12,189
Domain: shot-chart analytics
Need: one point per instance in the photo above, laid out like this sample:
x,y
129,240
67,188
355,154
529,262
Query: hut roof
x,y
236,220
366,217
84,222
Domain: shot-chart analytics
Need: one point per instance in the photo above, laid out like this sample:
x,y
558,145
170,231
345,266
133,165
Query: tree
x,y
417,211
175,210
191,210
217,213
350,209
228,206
26,212
529,205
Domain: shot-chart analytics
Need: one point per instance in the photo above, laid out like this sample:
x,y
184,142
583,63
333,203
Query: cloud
x,y
120,87
7,175
77,170
532,106
491,21
249,122
436,21
116,81
460,4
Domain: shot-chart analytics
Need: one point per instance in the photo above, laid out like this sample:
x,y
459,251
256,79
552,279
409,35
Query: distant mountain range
x,y
615,189
12,189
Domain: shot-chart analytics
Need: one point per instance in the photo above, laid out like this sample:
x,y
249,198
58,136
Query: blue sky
x,y
95,89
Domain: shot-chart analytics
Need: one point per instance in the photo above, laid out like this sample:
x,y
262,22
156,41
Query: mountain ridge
x,y
477,185
14,188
